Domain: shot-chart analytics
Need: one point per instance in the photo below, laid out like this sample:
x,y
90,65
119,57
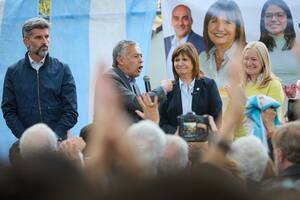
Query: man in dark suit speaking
x,y
182,23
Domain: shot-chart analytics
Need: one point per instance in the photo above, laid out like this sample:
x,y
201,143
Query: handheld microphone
x,y
147,83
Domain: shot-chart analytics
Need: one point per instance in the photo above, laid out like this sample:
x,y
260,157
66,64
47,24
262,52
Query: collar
x,y
229,53
176,42
130,80
259,79
181,83
32,62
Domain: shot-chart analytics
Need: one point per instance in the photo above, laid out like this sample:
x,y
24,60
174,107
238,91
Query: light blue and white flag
x,y
83,33
13,13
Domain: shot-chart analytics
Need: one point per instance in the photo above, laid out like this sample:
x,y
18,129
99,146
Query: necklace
x,y
218,60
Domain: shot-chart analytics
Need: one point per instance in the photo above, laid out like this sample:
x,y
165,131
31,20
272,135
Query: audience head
x,y
85,134
223,17
286,142
175,156
251,157
14,153
127,56
182,20
205,182
37,139
276,20
256,62
149,141
185,54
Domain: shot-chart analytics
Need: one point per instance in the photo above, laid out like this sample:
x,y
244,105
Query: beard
x,y
39,51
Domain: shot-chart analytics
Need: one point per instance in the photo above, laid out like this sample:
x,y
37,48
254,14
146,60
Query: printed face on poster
x,y
262,20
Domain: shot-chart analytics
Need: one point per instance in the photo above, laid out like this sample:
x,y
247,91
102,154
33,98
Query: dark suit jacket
x,y
128,96
193,38
206,100
292,172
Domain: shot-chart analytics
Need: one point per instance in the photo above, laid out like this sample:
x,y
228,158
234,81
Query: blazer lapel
x,y
177,98
197,94
123,77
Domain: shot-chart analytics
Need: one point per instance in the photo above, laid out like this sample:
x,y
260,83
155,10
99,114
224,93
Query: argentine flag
x,y
83,34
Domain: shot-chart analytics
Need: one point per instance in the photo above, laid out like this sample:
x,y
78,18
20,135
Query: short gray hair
x,y
251,156
120,49
175,155
149,141
37,139
33,23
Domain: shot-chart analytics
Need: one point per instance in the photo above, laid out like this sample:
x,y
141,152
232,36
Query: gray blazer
x,y
128,96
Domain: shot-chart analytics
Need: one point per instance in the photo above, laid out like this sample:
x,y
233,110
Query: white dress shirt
x,y
186,96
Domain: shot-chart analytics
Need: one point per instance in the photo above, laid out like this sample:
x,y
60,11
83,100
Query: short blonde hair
x,y
264,59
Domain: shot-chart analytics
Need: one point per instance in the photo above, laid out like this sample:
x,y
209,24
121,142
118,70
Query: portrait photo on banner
x,y
276,23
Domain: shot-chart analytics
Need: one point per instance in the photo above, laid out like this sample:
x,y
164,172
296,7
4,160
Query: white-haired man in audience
x,y
175,156
149,141
39,139
251,156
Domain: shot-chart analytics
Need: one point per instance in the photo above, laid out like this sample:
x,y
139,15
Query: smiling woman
x,y
192,92
278,34
223,31
258,77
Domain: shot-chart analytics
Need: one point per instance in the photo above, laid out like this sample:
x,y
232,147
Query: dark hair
x,y
233,13
86,133
190,51
289,32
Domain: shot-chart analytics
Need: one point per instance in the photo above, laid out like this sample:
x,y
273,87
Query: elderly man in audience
x,y
39,138
149,142
175,156
251,157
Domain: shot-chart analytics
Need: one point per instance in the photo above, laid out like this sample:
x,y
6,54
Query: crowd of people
x,y
136,148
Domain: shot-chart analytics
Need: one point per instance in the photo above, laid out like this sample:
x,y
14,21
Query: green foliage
x,y
44,7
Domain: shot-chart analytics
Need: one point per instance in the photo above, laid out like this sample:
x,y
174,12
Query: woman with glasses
x,y
278,34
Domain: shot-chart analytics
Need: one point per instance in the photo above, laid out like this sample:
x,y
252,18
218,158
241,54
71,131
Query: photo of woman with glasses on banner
x,y
278,34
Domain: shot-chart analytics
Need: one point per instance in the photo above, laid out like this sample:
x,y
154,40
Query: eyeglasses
x,y
278,15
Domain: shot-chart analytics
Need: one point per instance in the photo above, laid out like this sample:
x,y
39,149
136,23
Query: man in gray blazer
x,y
127,65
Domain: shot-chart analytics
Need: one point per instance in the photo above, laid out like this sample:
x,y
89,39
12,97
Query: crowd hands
x,y
117,159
